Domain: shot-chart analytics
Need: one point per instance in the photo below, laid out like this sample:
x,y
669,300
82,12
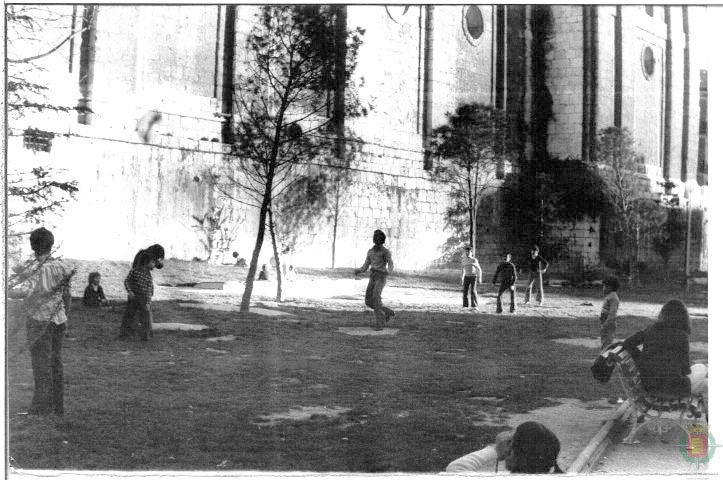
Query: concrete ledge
x,y
589,456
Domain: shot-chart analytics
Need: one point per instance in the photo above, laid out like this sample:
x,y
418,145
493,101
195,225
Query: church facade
x,y
152,86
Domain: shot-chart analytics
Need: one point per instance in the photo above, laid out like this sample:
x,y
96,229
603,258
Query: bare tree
x,y
35,33
472,145
634,213
282,102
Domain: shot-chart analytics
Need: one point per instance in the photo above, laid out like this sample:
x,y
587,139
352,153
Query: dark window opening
x,y
648,62
650,10
474,22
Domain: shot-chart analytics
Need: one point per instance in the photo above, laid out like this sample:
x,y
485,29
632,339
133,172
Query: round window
x,y
473,23
648,60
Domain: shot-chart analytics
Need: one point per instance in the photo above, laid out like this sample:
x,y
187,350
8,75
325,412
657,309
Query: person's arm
x,y
478,268
497,273
101,294
390,262
631,343
544,269
514,274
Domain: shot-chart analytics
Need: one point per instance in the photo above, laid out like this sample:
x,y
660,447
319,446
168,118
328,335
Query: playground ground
x,y
306,385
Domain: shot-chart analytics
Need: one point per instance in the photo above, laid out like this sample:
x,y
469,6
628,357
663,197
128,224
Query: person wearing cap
x,y
46,290
608,315
471,272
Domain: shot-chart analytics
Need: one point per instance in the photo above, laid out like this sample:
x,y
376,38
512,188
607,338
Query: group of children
x,y
506,273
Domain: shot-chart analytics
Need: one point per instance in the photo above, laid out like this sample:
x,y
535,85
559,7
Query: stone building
x,y
166,70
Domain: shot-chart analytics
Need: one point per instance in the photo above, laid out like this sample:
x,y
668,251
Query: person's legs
x,y
57,332
540,289
473,292
499,298
126,328
40,360
465,288
513,306
144,314
369,295
698,379
380,311
530,284
607,335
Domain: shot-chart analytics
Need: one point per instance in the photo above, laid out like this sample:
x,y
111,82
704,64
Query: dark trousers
x,y
142,309
45,356
535,277
469,289
504,287
373,297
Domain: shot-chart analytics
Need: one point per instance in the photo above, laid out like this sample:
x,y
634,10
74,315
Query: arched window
x,y
397,12
473,23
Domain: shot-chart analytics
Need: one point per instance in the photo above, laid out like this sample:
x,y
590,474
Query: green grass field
x,y
181,402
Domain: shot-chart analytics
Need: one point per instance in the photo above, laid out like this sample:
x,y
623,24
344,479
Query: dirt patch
x,y
225,338
580,342
179,327
300,414
368,331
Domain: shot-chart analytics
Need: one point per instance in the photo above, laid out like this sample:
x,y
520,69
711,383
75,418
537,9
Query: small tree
x,y
283,108
633,212
472,145
34,34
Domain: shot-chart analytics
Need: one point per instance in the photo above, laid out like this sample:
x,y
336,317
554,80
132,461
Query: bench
x,y
651,407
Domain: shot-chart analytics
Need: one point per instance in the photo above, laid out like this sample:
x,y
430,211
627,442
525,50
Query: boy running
x,y
379,260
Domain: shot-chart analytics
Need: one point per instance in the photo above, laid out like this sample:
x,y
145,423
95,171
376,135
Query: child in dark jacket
x,y
507,274
93,295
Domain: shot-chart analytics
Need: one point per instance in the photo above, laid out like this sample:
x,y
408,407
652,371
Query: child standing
x,y
470,272
93,295
139,284
507,274
379,261
538,266
609,312
46,290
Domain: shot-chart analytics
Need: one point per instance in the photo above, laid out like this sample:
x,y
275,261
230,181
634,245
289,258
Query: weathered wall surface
x,y
169,59
564,79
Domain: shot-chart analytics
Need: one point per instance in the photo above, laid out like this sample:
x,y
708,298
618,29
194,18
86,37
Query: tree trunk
x,y
337,193
473,230
246,299
279,274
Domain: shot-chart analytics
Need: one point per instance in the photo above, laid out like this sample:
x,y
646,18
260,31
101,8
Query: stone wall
x,y
564,79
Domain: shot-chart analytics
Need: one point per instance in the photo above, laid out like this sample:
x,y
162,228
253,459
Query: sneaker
x,y
512,312
498,311
527,302
475,308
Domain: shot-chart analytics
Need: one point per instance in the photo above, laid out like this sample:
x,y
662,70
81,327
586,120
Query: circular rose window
x,y
473,23
648,61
